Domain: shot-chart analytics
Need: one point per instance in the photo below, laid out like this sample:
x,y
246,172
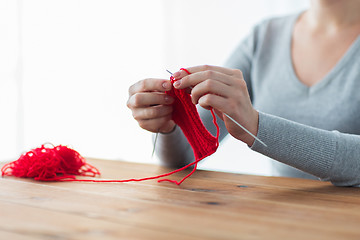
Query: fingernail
x,y
177,83
166,85
177,74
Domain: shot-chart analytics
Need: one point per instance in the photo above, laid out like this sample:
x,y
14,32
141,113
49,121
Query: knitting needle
x,y
156,136
242,127
157,133
169,72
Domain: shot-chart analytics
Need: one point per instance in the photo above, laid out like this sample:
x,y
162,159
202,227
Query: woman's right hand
x,y
151,107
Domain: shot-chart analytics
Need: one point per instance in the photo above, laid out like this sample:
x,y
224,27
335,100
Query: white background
x,y
66,66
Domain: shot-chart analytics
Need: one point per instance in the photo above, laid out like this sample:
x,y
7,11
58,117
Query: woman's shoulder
x,y
273,30
277,23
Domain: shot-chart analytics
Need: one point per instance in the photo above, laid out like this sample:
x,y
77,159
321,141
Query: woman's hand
x,y
225,91
151,106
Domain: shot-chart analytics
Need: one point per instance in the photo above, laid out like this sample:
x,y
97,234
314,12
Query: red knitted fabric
x,y
187,118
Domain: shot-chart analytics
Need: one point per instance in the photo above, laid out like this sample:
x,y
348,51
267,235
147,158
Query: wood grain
x,y
209,205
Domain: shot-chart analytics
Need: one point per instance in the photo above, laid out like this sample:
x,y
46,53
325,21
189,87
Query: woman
x,y
294,83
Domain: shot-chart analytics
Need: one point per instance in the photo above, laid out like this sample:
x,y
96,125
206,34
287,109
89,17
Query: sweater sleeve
x,y
329,155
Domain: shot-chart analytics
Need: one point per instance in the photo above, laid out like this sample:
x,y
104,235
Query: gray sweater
x,y
309,131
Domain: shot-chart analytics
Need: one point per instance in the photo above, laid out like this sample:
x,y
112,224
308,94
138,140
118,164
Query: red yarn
x,y
61,163
50,164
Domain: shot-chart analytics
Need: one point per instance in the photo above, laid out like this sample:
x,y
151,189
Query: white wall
x,y
66,66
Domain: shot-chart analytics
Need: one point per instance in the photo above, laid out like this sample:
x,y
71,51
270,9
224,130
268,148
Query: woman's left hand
x,y
225,91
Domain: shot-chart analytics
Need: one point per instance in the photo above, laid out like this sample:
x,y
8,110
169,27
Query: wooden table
x,y
209,205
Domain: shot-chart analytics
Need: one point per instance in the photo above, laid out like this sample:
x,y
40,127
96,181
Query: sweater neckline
x,y
329,75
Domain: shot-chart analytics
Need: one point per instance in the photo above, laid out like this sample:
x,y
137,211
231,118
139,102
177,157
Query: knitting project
x,y
187,118
60,163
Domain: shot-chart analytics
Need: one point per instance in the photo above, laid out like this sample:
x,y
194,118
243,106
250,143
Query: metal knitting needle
x,y
169,72
242,127
156,136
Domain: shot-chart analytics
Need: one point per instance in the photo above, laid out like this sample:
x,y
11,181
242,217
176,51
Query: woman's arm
x,y
329,155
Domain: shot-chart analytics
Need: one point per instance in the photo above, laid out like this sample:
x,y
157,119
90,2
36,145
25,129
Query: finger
x,y
180,74
168,126
163,124
145,99
152,112
210,87
210,101
193,79
150,85
201,68
218,103
221,107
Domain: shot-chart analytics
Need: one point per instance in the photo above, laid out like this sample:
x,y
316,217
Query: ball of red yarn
x,y
50,164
